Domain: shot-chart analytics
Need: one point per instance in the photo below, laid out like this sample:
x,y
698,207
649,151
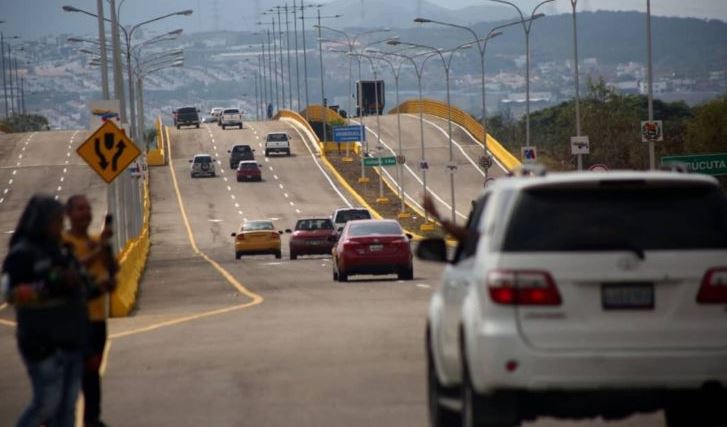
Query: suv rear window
x,y
314,224
379,228
202,159
247,165
241,149
186,110
277,137
231,111
351,214
633,217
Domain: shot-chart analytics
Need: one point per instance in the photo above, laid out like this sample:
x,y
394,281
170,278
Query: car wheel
x,y
197,126
193,175
342,276
179,127
267,153
240,126
335,275
406,273
223,127
287,153
698,409
238,255
439,416
484,411
293,255
239,180
278,254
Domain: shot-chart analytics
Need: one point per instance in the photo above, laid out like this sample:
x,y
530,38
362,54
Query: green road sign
x,y
708,164
385,161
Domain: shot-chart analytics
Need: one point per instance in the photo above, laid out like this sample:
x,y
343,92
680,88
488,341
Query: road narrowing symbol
x,y
108,151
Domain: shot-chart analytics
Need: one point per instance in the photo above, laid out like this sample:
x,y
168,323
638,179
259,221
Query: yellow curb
x,y
382,200
364,180
347,159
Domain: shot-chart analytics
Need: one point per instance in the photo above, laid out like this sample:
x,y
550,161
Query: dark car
x,y
248,170
312,236
239,153
186,116
373,246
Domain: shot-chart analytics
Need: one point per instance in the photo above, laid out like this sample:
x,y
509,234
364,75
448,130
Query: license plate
x,y
376,248
314,242
624,296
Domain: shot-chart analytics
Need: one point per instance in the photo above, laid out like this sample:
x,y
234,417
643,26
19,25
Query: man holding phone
x,y
95,253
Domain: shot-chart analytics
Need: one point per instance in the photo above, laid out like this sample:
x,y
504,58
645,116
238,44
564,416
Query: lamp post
x,y
396,71
305,50
652,154
527,26
297,67
446,64
323,92
576,78
287,54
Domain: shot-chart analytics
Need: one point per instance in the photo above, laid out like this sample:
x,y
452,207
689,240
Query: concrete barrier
x,y
132,261
157,156
440,109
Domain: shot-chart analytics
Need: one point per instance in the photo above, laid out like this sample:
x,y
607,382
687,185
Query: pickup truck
x,y
277,142
231,117
186,116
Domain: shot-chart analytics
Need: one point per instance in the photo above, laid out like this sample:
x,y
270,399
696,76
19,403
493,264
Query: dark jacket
x,y
58,318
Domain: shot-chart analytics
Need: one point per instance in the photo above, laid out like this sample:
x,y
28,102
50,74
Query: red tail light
x,y
714,287
275,236
522,287
240,237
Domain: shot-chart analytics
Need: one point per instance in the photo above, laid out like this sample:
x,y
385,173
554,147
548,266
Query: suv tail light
x,y
522,287
714,287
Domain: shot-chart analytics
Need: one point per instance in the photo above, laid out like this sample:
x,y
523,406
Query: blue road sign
x,y
348,133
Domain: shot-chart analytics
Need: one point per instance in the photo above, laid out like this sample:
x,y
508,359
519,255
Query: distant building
x,y
627,87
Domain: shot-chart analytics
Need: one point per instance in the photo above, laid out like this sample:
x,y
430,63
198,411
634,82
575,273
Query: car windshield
x,y
186,110
275,137
202,159
614,218
231,111
247,166
374,228
241,149
314,224
352,214
257,226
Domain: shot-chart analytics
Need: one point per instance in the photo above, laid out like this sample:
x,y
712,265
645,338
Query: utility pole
x,y
102,44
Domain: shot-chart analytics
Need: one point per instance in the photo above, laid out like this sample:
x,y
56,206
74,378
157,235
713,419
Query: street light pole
x,y
287,54
575,68
527,25
282,65
305,58
297,70
323,92
116,47
104,57
652,154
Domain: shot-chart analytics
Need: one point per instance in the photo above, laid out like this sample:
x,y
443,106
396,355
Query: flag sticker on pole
x,y
652,131
529,154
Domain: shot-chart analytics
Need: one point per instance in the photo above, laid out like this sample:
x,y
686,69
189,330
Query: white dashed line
x,y
63,178
267,160
59,188
281,186
292,204
275,176
10,182
5,191
423,286
237,205
225,178
297,211
232,196
229,188
286,195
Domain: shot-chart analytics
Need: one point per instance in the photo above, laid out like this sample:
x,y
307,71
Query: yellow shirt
x,y
82,246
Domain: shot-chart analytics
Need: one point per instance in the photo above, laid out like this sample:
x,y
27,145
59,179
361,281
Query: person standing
x,y
45,283
93,252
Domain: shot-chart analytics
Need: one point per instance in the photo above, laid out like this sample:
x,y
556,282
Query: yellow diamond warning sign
x,y
108,151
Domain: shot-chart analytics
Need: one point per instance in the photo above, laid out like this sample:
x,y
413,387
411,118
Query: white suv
x,y
202,165
581,295
231,117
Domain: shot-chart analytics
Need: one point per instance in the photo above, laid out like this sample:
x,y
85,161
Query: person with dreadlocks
x,y
48,288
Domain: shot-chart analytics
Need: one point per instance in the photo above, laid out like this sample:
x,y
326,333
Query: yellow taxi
x,y
257,237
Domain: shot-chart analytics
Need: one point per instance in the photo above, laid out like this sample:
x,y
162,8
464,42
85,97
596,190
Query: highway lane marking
x,y
297,211
225,178
232,196
214,220
281,186
275,176
255,299
286,195
10,182
292,204
229,188
423,285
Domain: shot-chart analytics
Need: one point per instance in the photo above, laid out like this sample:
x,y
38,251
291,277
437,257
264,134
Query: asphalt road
x,y
254,342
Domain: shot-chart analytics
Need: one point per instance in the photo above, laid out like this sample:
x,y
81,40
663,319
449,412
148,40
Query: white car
x,y
202,165
581,295
216,111
341,216
277,142
231,117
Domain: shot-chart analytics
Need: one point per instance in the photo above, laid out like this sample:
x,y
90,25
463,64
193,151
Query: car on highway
x,y
240,152
202,165
231,117
277,142
186,116
312,236
257,237
341,216
373,246
209,119
582,295
215,112
248,170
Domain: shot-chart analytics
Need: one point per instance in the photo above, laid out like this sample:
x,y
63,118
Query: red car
x,y
249,170
312,236
372,246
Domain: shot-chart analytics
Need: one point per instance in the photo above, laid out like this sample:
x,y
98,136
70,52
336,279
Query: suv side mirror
x,y
190,161
233,234
433,249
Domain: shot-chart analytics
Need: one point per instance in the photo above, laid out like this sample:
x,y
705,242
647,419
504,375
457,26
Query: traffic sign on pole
x,y
708,164
529,154
652,131
385,161
108,151
349,133
579,145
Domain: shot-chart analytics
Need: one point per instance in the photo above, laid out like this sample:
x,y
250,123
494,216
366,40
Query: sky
x,y
31,19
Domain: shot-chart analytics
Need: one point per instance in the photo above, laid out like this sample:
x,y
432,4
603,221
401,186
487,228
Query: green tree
x,y
24,123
